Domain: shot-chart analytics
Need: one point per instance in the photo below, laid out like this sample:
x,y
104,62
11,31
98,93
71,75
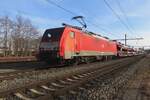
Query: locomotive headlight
x,y
49,35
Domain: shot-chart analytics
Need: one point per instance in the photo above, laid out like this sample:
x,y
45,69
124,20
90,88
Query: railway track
x,y
22,73
17,59
15,70
69,83
28,72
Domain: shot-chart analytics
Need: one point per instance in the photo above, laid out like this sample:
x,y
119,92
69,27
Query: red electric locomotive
x,y
72,44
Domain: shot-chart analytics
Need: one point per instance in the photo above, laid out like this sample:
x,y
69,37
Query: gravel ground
x,y
111,87
138,88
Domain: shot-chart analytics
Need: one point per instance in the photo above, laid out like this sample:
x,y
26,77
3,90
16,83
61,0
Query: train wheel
x,y
62,62
76,61
87,60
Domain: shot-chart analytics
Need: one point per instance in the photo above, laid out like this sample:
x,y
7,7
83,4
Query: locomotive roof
x,y
97,35
88,32
55,28
84,31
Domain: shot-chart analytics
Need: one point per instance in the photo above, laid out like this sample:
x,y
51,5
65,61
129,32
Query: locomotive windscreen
x,y
53,34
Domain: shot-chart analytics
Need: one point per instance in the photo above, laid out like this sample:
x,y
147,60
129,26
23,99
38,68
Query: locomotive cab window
x,y
72,34
53,34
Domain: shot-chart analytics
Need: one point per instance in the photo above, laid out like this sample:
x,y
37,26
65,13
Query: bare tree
x,y
30,34
6,28
20,37
24,34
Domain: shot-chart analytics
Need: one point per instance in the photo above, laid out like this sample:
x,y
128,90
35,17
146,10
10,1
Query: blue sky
x,y
45,15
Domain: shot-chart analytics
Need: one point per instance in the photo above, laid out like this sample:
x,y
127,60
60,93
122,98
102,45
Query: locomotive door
x,y
75,41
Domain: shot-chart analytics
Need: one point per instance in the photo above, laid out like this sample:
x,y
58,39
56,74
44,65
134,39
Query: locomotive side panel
x,y
96,46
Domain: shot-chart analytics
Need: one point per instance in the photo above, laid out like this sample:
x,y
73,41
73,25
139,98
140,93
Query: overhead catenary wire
x,y
123,12
75,14
125,16
117,16
104,30
57,5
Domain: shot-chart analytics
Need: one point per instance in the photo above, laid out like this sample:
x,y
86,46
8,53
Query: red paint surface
x,y
84,42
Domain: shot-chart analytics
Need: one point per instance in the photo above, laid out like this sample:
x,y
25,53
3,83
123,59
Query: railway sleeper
x,y
33,93
65,82
71,80
57,85
22,96
37,92
48,88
